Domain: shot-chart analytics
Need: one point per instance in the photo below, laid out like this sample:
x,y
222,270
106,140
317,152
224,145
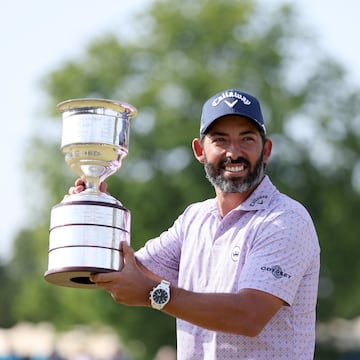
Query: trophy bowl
x,y
86,229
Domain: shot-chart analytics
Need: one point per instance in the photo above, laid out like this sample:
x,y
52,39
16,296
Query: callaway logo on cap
x,y
231,102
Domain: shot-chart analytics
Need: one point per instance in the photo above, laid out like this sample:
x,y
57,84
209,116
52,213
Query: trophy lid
x,y
117,106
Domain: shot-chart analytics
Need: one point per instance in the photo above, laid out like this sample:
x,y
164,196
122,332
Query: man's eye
x,y
248,138
219,139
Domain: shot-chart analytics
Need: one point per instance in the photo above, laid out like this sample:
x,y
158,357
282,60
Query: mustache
x,y
239,160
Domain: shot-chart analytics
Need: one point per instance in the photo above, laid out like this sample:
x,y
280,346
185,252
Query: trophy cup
x,y
86,229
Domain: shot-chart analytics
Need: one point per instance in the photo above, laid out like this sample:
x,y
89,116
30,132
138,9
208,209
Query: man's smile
x,y
235,168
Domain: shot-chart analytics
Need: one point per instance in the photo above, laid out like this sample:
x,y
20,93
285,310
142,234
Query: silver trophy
x,y
86,229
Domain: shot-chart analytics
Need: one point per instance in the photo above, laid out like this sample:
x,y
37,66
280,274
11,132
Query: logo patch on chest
x,y
235,254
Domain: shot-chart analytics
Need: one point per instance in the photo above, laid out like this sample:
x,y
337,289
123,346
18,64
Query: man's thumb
x,y
127,252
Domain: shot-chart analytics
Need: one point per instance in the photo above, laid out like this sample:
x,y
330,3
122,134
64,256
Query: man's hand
x,y
130,286
80,186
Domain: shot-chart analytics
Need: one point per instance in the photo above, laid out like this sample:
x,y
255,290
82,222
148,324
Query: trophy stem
x,y
92,184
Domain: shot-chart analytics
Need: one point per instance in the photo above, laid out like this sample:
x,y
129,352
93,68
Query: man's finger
x,y
128,253
79,182
103,187
102,278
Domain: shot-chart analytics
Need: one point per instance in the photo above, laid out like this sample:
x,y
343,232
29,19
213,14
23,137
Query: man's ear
x,y
198,150
267,150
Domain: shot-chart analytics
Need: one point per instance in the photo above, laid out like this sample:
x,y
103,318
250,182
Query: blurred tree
x,y
7,294
179,54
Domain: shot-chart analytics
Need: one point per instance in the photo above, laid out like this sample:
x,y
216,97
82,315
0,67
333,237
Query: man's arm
x,y
245,313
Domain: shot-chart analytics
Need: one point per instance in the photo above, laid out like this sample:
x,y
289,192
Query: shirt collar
x,y
260,197
258,200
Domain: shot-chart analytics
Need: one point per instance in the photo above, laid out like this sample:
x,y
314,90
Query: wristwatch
x,y
160,295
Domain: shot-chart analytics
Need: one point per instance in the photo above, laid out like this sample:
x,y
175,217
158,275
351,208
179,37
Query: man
x,y
240,271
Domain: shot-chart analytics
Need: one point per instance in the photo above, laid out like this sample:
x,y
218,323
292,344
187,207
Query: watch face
x,y
160,296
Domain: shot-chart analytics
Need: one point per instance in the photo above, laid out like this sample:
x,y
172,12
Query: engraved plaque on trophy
x,y
86,229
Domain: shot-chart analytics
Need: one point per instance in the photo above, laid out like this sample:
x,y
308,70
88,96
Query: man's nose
x,y
234,150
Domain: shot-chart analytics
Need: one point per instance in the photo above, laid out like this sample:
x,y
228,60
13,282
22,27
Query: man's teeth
x,y
235,168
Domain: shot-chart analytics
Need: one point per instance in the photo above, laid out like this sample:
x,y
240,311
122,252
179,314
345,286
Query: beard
x,y
235,184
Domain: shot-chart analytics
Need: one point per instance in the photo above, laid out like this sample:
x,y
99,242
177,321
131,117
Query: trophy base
x,y
85,238
75,277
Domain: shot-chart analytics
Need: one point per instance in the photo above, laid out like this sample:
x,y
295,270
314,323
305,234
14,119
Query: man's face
x,y
234,155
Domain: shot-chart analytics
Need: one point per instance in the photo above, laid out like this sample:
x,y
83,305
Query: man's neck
x,y
229,201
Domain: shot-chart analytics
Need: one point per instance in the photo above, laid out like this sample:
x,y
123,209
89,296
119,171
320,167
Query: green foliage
x,y
185,52
7,294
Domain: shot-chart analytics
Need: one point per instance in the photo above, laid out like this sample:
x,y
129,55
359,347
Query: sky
x,y
37,36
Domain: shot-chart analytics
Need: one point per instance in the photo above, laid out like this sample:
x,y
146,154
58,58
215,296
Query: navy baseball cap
x,y
231,102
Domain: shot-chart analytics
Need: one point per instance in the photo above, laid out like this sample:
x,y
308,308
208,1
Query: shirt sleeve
x,y
283,253
161,255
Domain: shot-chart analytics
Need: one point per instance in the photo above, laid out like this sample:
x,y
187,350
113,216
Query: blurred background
x,y
300,58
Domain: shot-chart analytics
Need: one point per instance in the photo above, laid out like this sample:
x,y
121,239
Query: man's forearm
x,y
245,313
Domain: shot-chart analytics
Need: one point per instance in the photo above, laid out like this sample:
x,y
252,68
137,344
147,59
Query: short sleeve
x,y
285,252
161,255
